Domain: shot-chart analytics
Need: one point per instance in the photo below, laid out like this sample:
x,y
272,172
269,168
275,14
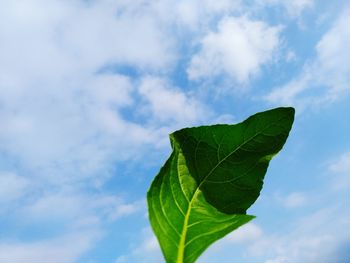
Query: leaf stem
x,y
181,248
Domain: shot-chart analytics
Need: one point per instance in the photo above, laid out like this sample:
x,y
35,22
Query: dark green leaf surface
x,y
214,174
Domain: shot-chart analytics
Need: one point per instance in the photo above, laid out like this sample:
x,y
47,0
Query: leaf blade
x,y
213,176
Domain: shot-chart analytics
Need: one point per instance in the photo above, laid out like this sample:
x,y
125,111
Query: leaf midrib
x,y
181,247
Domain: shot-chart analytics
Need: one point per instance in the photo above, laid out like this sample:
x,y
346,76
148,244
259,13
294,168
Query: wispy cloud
x,y
64,113
293,8
324,79
237,49
168,104
65,249
340,168
147,251
13,187
293,200
245,234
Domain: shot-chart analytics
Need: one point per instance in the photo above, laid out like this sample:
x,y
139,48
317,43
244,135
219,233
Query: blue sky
x,y
90,90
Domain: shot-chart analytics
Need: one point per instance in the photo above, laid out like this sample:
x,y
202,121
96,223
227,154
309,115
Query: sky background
x,y
90,90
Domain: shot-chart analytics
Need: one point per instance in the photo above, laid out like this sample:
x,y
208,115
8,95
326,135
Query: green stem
x,y
181,248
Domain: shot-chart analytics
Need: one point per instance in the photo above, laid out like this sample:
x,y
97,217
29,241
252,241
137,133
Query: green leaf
x,y
214,174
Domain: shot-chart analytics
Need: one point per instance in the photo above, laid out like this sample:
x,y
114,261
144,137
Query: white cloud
x,y
63,121
342,164
291,56
305,249
68,115
168,104
324,79
70,132
52,37
247,233
238,49
312,239
12,187
65,249
60,119
122,209
340,169
76,207
294,8
147,251
109,90
63,129
195,14
293,200
55,206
